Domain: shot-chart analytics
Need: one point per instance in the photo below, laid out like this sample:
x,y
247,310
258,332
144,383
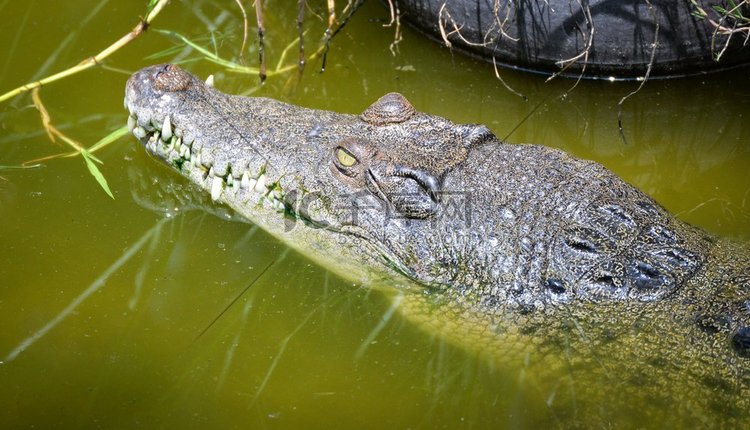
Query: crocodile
x,y
486,239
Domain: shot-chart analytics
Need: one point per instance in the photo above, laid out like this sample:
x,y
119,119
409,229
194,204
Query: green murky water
x,y
129,312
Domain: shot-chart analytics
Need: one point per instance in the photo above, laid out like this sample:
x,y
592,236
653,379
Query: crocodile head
x,y
402,192
342,188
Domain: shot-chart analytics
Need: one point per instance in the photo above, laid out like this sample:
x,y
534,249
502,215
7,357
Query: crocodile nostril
x,y
741,342
171,78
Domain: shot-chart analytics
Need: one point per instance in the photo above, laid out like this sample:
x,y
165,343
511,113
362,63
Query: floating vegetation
x,y
729,21
153,9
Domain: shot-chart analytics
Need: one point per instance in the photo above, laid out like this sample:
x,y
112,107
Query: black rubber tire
x,y
539,35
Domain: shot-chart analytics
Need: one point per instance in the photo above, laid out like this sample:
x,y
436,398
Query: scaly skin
x,y
520,251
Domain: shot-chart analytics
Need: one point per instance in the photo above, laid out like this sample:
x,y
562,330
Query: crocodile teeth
x,y
166,129
139,132
251,183
210,80
245,181
260,186
132,122
216,187
177,145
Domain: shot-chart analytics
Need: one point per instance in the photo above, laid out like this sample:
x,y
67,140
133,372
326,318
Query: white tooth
x,y
251,184
198,159
178,144
210,80
245,181
125,102
260,186
131,122
166,129
230,180
187,154
278,205
139,132
216,187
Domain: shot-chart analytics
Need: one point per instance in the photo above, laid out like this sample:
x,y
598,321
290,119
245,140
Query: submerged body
x,y
519,248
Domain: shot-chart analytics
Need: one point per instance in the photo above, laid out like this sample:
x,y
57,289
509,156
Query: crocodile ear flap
x,y
392,108
474,135
413,193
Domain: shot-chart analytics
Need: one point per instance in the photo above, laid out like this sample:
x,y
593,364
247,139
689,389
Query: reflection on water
x,y
149,310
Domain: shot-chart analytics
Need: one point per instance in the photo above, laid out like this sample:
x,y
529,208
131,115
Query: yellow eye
x,y
345,157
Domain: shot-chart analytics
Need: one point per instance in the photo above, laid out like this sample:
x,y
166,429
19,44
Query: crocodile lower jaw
x,y
163,139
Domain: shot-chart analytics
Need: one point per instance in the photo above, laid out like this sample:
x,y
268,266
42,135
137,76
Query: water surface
x,y
144,311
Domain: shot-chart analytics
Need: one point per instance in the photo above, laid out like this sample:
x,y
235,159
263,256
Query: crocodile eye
x,y
345,158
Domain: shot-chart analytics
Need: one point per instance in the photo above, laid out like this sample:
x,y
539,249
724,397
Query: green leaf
x,y
111,137
96,173
151,5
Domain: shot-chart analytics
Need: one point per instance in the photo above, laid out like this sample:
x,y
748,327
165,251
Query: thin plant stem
x,y
53,133
244,28
230,65
90,62
261,41
103,142
300,31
